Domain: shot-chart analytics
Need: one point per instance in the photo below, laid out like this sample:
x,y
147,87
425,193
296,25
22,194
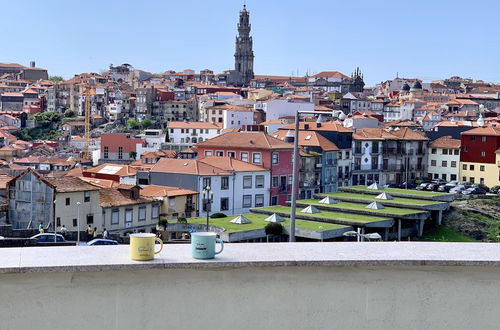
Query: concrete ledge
x,y
116,258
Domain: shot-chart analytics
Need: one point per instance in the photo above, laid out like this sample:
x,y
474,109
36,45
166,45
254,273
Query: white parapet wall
x,y
254,286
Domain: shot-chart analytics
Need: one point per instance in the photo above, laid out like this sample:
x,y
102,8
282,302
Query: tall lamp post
x,y
78,223
208,197
55,231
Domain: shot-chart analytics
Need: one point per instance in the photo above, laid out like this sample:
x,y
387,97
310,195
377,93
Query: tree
x,y
146,123
132,154
69,113
132,123
56,78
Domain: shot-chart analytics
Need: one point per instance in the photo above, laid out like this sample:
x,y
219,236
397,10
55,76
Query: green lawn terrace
x,y
341,218
360,208
404,193
232,232
408,203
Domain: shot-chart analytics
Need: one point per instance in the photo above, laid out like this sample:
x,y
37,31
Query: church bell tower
x,y
243,56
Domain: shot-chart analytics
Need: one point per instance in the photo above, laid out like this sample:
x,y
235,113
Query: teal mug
x,y
203,245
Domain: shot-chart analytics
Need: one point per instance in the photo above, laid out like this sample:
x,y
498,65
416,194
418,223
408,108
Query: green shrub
x,y
163,223
274,228
181,220
218,215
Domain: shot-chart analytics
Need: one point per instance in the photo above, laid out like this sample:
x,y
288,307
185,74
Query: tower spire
x,y
243,56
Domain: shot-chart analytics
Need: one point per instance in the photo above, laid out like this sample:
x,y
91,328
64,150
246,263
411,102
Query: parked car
x,y
432,187
422,186
495,190
48,238
474,191
100,241
458,189
446,187
410,185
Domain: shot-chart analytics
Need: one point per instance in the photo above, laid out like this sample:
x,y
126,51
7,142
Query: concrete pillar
x,y
362,233
421,227
399,230
439,217
386,234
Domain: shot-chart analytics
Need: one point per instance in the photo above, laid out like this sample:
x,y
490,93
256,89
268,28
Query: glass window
x,y
464,167
224,204
256,157
259,181
483,154
453,164
445,151
275,158
155,211
259,200
434,150
481,168
275,181
456,151
224,183
68,201
290,179
274,200
86,196
142,213
247,181
120,152
115,216
244,156
128,215
231,154
219,153
207,182
433,162
444,163
471,167
208,153
247,201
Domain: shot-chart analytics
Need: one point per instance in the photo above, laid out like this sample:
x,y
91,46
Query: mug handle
x,y
161,245
218,240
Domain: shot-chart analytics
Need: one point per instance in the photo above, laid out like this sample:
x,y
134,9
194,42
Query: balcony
x,y
368,271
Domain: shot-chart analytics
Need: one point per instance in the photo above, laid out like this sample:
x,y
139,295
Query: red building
x,y
479,144
260,149
119,147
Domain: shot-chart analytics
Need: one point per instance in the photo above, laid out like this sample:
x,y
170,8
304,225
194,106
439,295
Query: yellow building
x,y
176,202
485,173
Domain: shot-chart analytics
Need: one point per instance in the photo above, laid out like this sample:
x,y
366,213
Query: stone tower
x,y
357,84
243,56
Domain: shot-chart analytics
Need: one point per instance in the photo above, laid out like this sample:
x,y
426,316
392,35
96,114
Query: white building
x,y
238,116
444,159
282,107
183,135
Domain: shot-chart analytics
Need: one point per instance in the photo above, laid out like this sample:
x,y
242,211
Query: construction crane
x,y
86,153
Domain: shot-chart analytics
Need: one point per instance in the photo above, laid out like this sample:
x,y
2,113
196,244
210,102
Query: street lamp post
x,y
54,210
78,224
369,236
208,196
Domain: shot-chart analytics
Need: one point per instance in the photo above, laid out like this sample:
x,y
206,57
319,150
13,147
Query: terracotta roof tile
x,y
110,197
445,142
252,140
165,191
70,184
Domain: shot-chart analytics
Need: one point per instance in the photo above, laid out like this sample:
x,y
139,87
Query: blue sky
x,y
429,39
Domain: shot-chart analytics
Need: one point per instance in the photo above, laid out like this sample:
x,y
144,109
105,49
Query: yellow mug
x,y
142,246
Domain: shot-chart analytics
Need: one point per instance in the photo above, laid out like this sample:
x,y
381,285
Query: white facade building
x,y
235,118
282,107
444,159
186,134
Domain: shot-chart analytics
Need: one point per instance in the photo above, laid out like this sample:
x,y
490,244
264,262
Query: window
x,y
247,201
433,162
347,155
275,158
128,215
219,153
445,151
481,180
290,179
106,152
434,150
58,222
464,167
259,181
256,157
436,175
75,222
473,138
155,212
464,179
208,153
483,154
453,164
274,200
481,168
171,201
471,167
86,196
207,182
224,183
471,179
115,214
68,201
90,219
142,213
224,204
456,151
244,156
231,154
466,149
453,177
274,181
247,181
483,138
444,163
443,176
259,200
120,152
